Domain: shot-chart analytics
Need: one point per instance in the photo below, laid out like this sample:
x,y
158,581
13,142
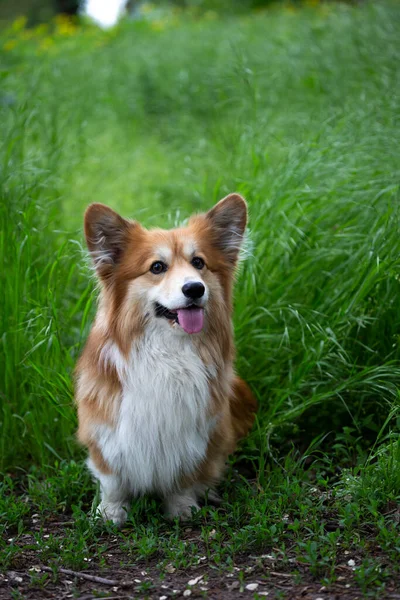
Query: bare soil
x,y
33,580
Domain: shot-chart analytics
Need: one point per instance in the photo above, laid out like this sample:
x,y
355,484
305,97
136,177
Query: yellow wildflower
x,y
290,9
19,23
158,24
64,25
10,45
45,44
147,7
40,30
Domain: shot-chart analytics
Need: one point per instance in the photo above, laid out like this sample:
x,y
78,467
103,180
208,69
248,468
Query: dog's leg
x,y
204,491
114,503
180,504
114,496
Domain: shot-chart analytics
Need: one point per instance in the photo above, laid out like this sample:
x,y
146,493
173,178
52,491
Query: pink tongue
x,y
191,319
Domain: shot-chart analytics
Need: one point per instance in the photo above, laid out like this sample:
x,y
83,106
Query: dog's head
x,y
178,279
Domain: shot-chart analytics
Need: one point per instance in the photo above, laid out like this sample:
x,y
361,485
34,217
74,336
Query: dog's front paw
x,y
114,512
206,493
181,505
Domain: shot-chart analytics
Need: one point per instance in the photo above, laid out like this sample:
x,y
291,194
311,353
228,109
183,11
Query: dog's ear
x,y
228,220
106,234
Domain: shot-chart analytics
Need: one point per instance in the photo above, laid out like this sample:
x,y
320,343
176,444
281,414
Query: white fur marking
x,y
114,505
163,428
189,249
164,253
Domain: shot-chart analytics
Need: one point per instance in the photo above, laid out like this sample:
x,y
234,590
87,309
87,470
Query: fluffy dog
x,y
160,407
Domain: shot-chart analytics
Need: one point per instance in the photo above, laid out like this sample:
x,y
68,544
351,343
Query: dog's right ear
x,y
106,234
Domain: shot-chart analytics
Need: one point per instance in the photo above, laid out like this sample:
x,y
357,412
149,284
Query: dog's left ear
x,y
106,233
228,219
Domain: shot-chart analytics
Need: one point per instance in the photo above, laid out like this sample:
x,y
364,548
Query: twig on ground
x,y
87,576
91,597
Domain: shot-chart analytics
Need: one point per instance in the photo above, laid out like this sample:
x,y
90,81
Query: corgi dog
x,y
160,407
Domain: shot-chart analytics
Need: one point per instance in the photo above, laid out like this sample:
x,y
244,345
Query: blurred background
x,y
42,10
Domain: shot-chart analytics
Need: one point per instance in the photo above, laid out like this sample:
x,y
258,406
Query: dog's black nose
x,y
193,289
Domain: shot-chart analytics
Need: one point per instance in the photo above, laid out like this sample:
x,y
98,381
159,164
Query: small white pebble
x,y
187,593
351,563
163,597
137,580
170,568
251,587
164,587
202,558
347,585
68,582
18,579
196,580
46,536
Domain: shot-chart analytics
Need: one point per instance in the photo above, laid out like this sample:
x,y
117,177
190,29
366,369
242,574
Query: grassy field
x,y
297,109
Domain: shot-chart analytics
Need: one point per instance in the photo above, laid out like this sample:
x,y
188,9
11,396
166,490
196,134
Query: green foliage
x,y
297,112
288,524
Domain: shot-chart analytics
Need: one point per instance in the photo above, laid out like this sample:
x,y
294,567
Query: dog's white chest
x,y
163,428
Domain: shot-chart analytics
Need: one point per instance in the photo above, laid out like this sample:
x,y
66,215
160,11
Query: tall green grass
x,y
299,112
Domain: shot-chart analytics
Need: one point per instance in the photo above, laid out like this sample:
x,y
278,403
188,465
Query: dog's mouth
x,y
190,318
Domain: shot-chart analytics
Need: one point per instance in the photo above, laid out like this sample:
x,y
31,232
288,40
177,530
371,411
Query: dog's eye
x,y
198,262
158,267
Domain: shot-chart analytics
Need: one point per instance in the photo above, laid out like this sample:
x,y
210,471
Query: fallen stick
x,y
89,597
87,576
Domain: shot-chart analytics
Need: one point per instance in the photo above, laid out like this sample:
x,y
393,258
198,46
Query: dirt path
x,y
119,578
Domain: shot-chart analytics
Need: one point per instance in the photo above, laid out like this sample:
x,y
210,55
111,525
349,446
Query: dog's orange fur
x,y
121,319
